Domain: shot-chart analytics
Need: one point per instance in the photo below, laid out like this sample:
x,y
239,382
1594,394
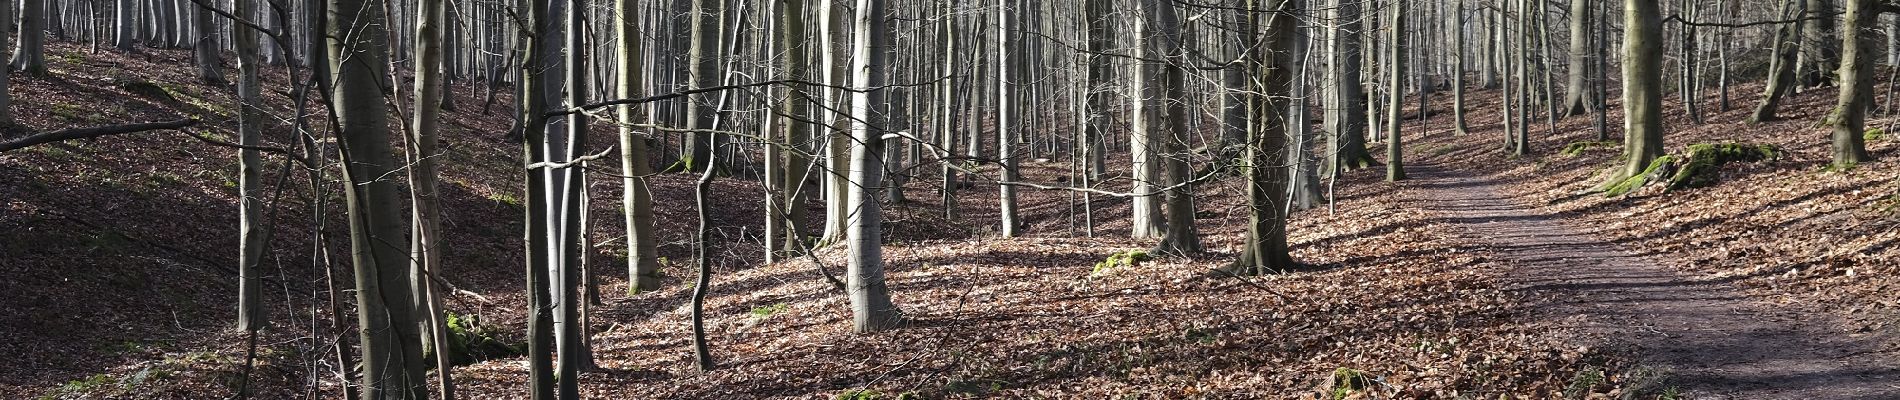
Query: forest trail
x,y
1705,337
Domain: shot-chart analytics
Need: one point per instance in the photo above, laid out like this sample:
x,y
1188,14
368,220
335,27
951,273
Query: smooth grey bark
x,y
1145,221
704,68
1394,153
1005,137
1180,237
871,306
1347,98
206,49
1857,82
1266,250
425,241
1642,86
127,14
643,259
30,55
1458,69
1781,68
252,229
6,98
392,362
534,70
570,355
1820,54
1577,95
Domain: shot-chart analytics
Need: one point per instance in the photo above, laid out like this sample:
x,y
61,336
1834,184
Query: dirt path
x,y
1707,338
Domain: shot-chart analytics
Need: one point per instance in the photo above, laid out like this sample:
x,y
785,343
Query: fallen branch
x,y
92,132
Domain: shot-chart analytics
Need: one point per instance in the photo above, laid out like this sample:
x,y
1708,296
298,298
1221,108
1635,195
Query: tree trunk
x,y
252,312
1576,97
1343,116
643,259
30,56
1781,68
1819,56
1857,82
1394,153
1180,237
6,98
1642,85
392,360
1458,69
425,241
1145,221
1005,138
704,69
871,307
535,68
1266,248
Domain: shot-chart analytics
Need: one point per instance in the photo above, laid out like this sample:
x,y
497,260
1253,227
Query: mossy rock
x,y
1697,167
146,89
1123,259
1344,382
1579,147
471,342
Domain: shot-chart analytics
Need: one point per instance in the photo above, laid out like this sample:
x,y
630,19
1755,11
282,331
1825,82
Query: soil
x,y
1700,336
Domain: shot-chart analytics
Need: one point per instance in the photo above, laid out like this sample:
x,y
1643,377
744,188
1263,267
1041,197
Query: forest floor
x,y
1486,276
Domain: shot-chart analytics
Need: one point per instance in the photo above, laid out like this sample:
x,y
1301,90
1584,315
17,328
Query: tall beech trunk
x,y
392,362
1642,86
871,306
1858,38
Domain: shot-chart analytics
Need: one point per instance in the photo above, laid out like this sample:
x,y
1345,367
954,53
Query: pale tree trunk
x,y
6,99
643,260
127,24
1819,56
30,56
1266,249
1458,69
1577,96
425,240
1394,157
1781,68
210,67
535,69
871,306
1146,218
570,356
1642,85
392,362
1347,100
1180,237
705,71
1857,82
837,147
1005,138
252,312
946,125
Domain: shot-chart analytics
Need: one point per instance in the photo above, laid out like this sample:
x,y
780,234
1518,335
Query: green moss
x,y
1699,165
1583,383
1874,134
767,311
471,342
1578,148
1624,185
1345,381
1123,259
1696,167
505,198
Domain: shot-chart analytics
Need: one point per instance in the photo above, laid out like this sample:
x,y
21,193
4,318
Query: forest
x,y
941,199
